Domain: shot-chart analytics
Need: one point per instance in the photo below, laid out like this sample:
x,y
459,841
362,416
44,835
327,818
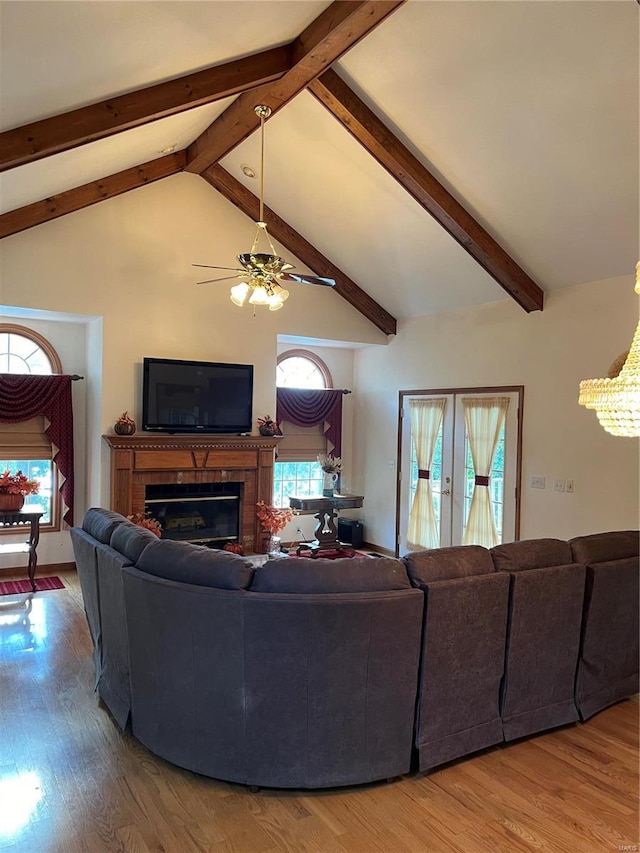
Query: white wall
x,y
126,263
340,364
577,336
69,339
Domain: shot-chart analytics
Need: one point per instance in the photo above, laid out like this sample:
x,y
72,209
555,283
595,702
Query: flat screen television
x,y
196,396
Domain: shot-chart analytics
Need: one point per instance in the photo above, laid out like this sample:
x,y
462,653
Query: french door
x,y
439,435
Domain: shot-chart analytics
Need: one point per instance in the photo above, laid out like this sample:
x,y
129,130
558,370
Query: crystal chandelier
x,y
616,400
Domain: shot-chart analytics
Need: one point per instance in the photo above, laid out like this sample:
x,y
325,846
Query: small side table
x,y
22,518
326,510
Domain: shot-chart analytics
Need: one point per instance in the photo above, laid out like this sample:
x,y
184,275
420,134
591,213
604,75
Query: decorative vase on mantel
x,y
11,503
125,425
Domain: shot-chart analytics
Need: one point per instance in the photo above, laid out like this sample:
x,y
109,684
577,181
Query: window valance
x,y
23,397
307,407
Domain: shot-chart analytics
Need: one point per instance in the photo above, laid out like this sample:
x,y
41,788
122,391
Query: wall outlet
x,y
559,485
537,482
392,464
570,487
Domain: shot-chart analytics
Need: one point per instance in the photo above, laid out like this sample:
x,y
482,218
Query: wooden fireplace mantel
x,y
152,459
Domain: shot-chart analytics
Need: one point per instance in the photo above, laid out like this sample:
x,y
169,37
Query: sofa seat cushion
x,y
459,561
100,523
194,564
130,540
531,554
356,574
604,547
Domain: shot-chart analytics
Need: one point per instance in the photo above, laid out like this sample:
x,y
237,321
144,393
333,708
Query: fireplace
x,y
204,513
141,461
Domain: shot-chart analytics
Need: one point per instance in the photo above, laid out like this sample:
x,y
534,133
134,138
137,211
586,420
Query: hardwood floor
x,y
71,781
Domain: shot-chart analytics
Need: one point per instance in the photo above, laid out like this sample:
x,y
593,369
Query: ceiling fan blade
x,y
225,278
211,267
307,279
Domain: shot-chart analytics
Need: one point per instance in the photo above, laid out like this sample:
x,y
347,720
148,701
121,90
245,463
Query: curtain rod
x,y
75,377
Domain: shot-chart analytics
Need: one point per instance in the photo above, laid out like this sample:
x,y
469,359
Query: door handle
x,y
445,492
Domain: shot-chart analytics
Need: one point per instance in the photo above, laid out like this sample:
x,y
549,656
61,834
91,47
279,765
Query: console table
x,y
326,510
22,518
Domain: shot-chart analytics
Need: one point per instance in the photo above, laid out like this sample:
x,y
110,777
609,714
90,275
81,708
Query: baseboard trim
x,y
371,546
46,569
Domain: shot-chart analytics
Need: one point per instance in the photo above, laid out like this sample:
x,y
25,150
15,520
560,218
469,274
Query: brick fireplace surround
x,y
150,459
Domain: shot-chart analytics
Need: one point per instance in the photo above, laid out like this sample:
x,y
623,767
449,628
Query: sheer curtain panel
x,y
484,419
426,419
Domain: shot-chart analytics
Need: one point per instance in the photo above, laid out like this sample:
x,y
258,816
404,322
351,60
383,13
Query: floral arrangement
x,y
267,426
17,484
273,519
146,520
125,425
330,464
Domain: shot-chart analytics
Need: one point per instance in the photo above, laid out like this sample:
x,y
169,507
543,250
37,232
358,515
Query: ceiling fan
x,y
262,272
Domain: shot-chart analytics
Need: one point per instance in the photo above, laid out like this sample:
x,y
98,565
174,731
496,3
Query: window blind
x,y
25,440
301,444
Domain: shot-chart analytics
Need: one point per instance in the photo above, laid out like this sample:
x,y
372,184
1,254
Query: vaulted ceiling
x,y
426,155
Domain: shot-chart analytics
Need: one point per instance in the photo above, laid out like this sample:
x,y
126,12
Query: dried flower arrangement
x,y
125,425
17,484
146,520
267,426
273,519
330,464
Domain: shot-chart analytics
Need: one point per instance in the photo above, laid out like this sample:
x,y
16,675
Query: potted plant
x,y
273,520
13,490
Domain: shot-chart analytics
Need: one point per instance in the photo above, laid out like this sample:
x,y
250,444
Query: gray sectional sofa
x,y
320,673
300,674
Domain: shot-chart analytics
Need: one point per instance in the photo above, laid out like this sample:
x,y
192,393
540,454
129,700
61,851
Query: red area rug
x,y
42,584
334,554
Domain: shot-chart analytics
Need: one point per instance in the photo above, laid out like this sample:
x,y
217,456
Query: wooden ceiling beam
x,y
343,103
59,205
97,121
249,204
323,42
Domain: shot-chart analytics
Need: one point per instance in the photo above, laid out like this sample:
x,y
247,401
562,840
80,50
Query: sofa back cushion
x,y
531,554
186,563
100,523
131,540
459,561
356,574
605,547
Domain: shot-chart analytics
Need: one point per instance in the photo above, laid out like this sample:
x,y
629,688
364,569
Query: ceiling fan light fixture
x,y
259,295
275,303
264,269
239,293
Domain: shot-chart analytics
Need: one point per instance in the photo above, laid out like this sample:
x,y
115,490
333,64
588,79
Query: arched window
x,y
302,369
24,351
297,471
25,446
